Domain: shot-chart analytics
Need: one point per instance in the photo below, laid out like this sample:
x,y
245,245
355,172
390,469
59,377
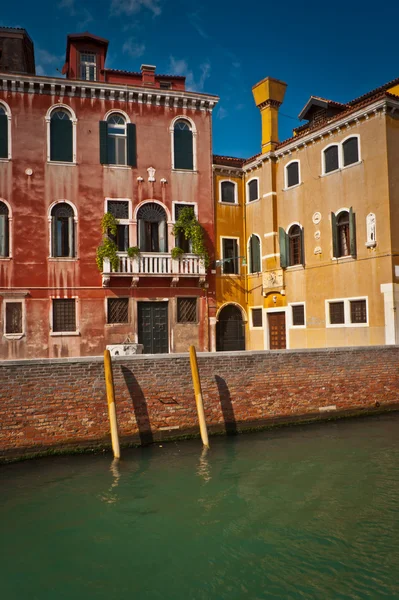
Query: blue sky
x,y
224,47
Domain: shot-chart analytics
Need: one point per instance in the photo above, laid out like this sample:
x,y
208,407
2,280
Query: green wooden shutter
x,y
3,136
183,149
283,248
352,232
61,140
131,145
302,247
334,233
254,245
103,142
141,235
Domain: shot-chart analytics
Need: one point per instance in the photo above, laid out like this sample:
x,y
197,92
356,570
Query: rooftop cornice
x,y
236,171
55,86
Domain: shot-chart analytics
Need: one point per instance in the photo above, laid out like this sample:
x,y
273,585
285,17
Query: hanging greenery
x,y
176,253
108,248
133,251
188,225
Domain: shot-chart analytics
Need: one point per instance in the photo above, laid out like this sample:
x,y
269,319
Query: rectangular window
x,y
337,313
331,160
120,210
187,310
13,318
181,241
165,85
64,315
358,311
253,192
292,174
230,256
298,315
88,66
118,310
257,317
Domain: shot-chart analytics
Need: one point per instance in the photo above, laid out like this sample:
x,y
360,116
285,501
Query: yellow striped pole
x,y
109,384
198,396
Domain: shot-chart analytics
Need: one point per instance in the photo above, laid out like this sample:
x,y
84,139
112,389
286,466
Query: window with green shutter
x,y
344,233
3,133
4,230
183,146
61,136
283,248
254,254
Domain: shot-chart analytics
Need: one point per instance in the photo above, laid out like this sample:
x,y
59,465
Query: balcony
x,y
150,264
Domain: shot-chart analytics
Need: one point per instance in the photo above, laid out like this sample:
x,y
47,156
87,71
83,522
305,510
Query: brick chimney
x,y
148,74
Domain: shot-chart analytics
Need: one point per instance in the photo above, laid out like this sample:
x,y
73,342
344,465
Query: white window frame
x,y
247,191
341,155
323,159
291,318
9,140
235,203
123,114
286,186
230,237
249,254
129,311
77,317
14,336
251,326
87,65
347,312
50,235
194,132
300,265
48,125
128,221
9,230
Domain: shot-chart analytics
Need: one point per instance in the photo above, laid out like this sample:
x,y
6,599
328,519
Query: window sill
x,y
343,258
186,322
230,274
63,259
295,268
291,187
256,328
184,170
118,167
252,201
228,203
5,258
345,325
297,327
61,164
14,336
370,244
359,162
111,325
5,160
64,333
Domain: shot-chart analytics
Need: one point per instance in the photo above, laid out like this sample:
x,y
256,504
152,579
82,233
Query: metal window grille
x,y
118,310
337,313
13,317
64,315
298,314
187,310
118,208
358,311
257,317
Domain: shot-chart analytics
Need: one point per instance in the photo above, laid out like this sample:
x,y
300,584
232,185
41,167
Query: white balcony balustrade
x,y
154,263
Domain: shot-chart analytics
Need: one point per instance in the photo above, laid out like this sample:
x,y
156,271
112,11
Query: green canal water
x,y
301,512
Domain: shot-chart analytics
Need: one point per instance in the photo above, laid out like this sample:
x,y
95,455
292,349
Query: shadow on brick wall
x,y
139,406
227,406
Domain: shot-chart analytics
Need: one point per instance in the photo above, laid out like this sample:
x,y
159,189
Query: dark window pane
x,y
230,251
331,159
187,310
256,317
343,234
119,209
337,314
63,226
293,174
64,315
14,317
298,314
294,242
358,311
118,310
228,189
254,255
61,136
3,135
4,230
183,146
351,151
253,190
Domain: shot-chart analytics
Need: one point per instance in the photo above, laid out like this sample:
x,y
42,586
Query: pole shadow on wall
x,y
227,406
139,406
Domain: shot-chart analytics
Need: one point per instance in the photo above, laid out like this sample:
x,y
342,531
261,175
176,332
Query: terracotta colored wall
x,y
50,404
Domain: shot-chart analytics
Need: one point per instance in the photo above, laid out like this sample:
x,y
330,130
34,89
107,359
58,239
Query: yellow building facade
x,y
307,242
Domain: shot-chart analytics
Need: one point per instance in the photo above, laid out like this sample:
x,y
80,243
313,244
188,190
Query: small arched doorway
x,y
230,330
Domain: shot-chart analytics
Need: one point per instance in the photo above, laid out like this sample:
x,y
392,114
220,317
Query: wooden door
x,y
276,321
153,327
230,330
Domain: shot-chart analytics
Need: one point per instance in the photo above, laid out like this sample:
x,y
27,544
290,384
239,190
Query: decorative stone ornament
x,y
371,230
140,179
316,218
151,173
317,250
164,181
317,235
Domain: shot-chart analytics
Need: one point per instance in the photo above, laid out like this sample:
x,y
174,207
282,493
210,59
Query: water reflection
x,y
204,468
110,497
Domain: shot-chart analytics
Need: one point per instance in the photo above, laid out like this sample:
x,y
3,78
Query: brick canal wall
x,y
61,403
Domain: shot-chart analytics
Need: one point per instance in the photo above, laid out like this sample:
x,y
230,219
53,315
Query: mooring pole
x,y
109,384
198,396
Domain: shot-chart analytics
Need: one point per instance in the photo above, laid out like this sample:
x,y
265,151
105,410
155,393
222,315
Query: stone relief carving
x,y
371,230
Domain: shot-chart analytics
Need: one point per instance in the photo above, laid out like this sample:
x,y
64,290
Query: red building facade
x,y
137,145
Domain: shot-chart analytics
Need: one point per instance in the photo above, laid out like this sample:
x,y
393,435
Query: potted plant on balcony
x,y
133,252
108,248
188,225
176,253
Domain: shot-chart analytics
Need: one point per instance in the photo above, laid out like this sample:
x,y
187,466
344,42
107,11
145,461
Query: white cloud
x,y
134,50
68,5
221,113
180,67
196,21
130,7
86,18
46,58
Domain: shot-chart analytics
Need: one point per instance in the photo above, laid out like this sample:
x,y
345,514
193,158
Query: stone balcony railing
x,y
155,264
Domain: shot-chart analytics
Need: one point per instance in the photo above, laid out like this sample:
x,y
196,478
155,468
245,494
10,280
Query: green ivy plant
x,y
176,253
188,225
108,248
133,251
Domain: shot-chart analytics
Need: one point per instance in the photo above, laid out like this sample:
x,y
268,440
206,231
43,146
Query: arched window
x,y
252,190
5,122
331,159
183,152
228,190
295,245
350,150
292,174
118,140
61,136
344,233
152,230
230,329
4,230
62,231
254,254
